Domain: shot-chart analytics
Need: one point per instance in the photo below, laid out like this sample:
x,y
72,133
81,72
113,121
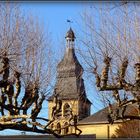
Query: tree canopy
x,y
112,54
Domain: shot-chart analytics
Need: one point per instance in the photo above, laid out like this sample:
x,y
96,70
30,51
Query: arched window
x,y
66,128
59,109
58,127
66,110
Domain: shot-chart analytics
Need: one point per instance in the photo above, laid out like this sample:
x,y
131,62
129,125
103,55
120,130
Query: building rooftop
x,y
100,117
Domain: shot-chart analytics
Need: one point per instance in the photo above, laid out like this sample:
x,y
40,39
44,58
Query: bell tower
x,y
69,87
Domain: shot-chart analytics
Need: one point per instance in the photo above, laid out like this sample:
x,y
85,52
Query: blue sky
x,y
54,17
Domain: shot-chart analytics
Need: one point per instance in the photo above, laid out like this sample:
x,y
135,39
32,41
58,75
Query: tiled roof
x,y
101,115
98,117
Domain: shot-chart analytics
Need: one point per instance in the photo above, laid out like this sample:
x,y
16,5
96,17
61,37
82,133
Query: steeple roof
x,y
69,65
69,84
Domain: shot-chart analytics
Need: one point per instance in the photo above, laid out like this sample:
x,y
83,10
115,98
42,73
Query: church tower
x,y
69,87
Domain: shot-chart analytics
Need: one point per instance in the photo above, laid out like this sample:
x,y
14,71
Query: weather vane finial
x,y
69,21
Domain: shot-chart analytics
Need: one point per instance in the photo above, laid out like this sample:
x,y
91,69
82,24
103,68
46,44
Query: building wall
x,y
62,120
73,104
102,131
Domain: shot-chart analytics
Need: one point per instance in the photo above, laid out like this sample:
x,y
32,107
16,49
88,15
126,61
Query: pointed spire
x,y
70,35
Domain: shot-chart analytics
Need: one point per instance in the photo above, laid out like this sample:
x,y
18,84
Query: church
x,y
71,90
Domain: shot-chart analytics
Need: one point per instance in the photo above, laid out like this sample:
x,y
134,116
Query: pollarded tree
x,y
26,67
112,43
25,71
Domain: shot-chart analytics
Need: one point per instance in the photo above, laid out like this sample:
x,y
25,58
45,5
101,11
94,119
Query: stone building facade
x,y
71,91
